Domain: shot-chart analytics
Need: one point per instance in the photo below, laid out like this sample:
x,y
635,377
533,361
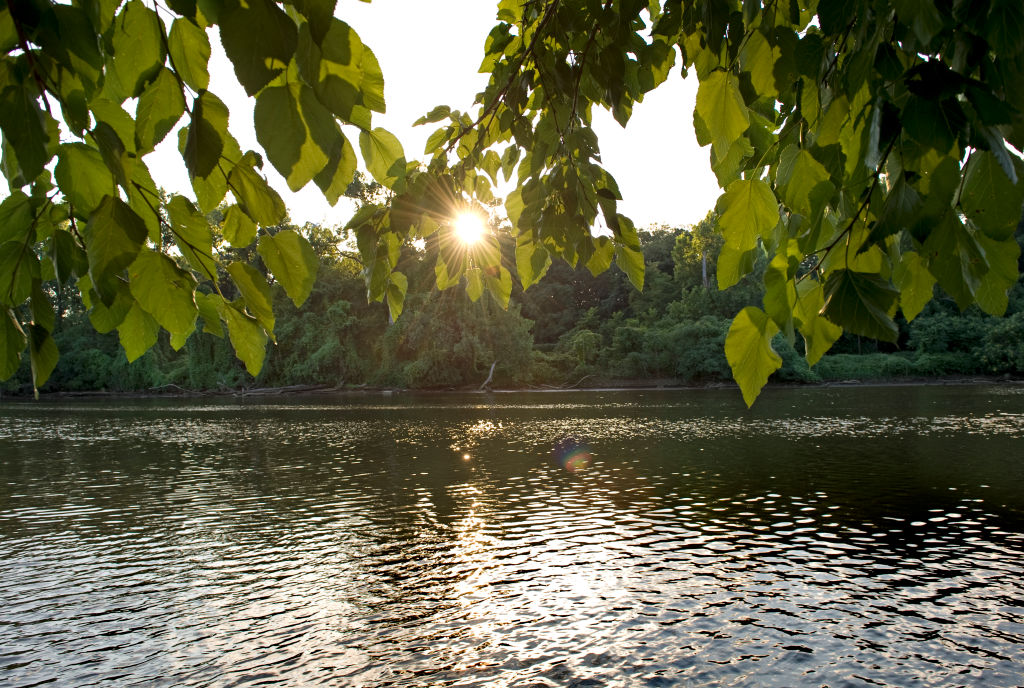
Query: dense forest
x,y
570,329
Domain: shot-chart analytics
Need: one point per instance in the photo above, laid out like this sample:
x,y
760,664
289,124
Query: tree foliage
x,y
861,146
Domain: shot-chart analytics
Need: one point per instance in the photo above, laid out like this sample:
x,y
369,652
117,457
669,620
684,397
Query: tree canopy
x,y
864,149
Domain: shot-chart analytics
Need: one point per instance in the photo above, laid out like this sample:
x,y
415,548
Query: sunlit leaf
x,y
137,332
190,53
239,229
819,334
747,210
722,109
246,336
915,283
292,261
748,349
160,107
255,292
165,291
383,155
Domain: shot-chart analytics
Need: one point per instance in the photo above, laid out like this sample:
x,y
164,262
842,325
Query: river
x,y
829,536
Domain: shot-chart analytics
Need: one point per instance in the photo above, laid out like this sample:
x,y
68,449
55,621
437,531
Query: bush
x,y
699,349
865,367
942,332
1003,348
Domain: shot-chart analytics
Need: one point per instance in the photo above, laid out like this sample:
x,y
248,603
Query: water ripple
x,y
436,542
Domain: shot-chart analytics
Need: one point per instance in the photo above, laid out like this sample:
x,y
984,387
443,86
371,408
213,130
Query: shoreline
x,y
617,385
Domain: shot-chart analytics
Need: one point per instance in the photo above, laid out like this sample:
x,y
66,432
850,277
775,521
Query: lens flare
x,y
469,227
571,454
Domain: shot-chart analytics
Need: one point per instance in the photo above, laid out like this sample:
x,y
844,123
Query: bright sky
x,y
429,53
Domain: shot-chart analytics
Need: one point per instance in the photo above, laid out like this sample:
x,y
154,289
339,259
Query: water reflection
x,y
823,538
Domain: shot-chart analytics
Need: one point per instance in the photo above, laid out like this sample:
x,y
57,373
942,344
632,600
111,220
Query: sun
x,y
469,227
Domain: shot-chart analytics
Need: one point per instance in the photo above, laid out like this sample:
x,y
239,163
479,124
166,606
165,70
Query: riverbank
x,y
593,385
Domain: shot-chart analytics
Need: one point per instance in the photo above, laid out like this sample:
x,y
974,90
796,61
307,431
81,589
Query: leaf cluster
x,y
89,88
863,146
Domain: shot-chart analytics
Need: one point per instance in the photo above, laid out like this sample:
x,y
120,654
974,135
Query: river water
x,y
829,536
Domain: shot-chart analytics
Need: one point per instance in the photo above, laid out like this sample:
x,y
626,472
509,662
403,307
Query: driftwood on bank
x,y
557,387
290,389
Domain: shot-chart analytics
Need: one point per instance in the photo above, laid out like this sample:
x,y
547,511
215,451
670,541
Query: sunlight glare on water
x,y
827,537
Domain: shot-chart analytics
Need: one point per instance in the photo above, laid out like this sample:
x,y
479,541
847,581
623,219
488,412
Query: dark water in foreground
x,y
828,537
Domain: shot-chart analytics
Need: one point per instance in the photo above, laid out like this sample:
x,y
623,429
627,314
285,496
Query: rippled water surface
x,y
827,537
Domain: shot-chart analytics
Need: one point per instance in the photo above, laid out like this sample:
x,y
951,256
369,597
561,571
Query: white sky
x,y
429,53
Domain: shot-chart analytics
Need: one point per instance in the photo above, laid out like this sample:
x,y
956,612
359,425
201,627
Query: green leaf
x,y
334,179
819,334
190,53
474,284
955,258
915,283
991,201
239,229
83,177
436,115
12,343
255,292
802,181
922,16
722,110
160,107
257,198
43,355
247,337
113,238
205,142
292,261
137,332
113,152
733,265
780,293
903,207
758,58
260,39
281,129
748,349
25,126
383,155
17,261
599,261
138,51
209,311
631,262
992,294
397,288
933,123
41,308
860,303
319,14
748,209
499,285
16,217
112,114
68,257
193,237
105,318
1005,27
165,291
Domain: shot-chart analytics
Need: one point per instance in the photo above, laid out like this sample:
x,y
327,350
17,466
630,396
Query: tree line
x,y
571,328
